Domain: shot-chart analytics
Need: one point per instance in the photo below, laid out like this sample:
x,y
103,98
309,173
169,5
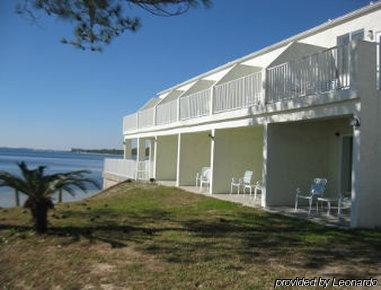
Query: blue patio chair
x,y
318,188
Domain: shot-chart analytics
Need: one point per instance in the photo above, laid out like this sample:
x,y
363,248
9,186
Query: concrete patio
x,y
248,200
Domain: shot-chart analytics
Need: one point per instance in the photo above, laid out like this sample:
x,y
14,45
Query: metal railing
x,y
144,170
237,94
195,105
120,167
321,72
130,122
146,118
166,113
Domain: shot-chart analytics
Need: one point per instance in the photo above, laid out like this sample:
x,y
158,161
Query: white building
x,y
308,106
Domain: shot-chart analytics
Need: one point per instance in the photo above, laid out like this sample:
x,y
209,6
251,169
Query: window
x,y
348,37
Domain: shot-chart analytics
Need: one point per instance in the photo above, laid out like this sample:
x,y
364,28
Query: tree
x,y
39,187
98,22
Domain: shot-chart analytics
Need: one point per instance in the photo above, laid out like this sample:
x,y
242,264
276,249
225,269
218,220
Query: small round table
x,y
328,201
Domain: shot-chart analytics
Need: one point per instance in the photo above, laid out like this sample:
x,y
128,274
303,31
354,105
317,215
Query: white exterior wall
x,y
298,152
366,196
235,151
194,154
166,157
327,38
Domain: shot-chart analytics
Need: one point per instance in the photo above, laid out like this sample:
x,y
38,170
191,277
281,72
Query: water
x,y
56,161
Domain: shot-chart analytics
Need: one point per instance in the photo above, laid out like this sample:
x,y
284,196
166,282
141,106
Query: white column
x,y
212,157
154,156
138,141
127,149
178,159
366,177
264,166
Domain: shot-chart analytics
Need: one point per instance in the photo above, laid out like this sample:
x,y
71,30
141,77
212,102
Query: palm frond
x,y
9,180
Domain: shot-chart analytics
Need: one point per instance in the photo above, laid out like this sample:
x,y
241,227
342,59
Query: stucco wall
x,y
299,151
166,157
367,143
194,154
327,38
236,150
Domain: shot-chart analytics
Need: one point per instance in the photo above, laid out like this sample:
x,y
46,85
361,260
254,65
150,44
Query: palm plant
x,y
39,187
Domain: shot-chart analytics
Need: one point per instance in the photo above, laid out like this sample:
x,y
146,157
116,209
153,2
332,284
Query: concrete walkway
x,y
248,200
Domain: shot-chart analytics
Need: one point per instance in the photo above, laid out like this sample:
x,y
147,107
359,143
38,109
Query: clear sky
x,y
56,97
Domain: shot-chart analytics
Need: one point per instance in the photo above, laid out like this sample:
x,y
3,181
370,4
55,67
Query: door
x,y
346,165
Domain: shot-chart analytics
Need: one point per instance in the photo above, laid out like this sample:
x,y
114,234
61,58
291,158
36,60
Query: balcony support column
x,y
140,153
127,144
212,159
366,181
264,165
154,157
178,159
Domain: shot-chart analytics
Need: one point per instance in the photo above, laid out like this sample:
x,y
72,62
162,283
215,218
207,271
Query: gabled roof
x,y
150,104
295,51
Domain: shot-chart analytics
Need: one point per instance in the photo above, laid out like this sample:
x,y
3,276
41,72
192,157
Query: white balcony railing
x,y
195,105
146,118
120,167
144,170
130,122
166,113
238,94
329,70
317,73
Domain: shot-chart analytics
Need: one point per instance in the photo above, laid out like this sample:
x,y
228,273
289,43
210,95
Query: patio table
x,y
328,201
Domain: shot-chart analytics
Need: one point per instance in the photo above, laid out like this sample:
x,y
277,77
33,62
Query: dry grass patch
x,y
137,236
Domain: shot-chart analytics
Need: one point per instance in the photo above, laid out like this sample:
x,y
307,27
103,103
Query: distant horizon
x,y
62,150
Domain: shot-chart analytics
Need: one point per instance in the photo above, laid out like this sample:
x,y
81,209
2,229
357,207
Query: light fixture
x,y
355,122
370,34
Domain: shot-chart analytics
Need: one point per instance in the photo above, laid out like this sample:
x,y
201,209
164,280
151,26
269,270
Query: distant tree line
x,y
98,151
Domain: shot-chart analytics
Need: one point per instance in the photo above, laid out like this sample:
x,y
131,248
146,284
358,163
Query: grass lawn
x,y
136,236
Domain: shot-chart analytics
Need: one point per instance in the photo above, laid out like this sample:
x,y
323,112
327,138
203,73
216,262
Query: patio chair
x,y
344,202
318,188
205,178
199,175
244,182
258,188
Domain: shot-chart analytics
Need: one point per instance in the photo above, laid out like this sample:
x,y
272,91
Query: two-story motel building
x,y
308,106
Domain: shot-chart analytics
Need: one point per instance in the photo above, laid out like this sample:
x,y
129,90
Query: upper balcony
x,y
316,72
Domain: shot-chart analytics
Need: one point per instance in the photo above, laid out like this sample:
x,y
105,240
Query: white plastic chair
x,y
205,178
199,175
244,182
344,202
258,188
318,188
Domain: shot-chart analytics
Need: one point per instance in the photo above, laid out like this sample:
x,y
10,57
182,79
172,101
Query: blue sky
x,y
53,96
